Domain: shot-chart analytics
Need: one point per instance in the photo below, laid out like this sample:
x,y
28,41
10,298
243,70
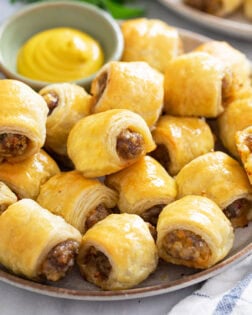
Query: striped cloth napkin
x,y
227,293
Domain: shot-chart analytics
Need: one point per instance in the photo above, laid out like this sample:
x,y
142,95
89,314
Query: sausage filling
x,y
3,207
209,6
151,214
248,142
161,154
130,144
52,100
102,82
98,214
152,230
97,265
186,245
12,145
59,260
237,212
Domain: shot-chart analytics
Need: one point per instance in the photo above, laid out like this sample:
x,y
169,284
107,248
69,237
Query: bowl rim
x,y
38,84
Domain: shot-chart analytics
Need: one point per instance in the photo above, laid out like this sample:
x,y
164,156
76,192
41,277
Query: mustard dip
x,y
60,55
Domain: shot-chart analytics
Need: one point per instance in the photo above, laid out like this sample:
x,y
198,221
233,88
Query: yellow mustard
x,y
60,55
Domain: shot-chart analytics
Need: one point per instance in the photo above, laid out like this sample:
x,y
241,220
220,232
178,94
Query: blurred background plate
x,y
234,25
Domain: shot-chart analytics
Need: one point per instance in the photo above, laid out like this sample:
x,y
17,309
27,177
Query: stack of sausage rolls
x,y
153,163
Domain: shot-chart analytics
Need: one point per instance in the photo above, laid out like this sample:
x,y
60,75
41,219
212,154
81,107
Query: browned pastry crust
x,y
80,201
22,121
152,41
243,140
135,86
247,9
196,84
179,140
144,188
67,103
118,252
26,177
234,60
194,232
222,179
7,197
35,243
236,117
215,7
113,140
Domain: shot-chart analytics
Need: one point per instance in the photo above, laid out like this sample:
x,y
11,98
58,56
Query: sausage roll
x,y
152,41
67,104
236,117
233,59
247,9
23,115
194,232
144,188
35,243
196,84
215,7
26,177
7,197
243,140
112,140
132,85
221,178
81,202
118,252
179,140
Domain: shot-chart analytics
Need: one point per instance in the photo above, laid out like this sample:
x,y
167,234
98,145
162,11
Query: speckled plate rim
x,y
148,291
234,28
191,40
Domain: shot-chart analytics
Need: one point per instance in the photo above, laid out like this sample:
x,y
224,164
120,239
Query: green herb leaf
x,y
116,8
119,11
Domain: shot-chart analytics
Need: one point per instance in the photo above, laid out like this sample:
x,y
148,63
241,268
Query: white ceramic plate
x,y
234,25
166,278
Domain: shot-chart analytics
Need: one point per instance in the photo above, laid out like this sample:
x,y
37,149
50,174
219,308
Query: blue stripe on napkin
x,y
229,292
229,300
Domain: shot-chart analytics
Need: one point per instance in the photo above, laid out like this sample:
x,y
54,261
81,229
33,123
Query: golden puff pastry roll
x,y
247,9
196,84
35,243
236,117
216,7
152,41
104,143
233,59
67,103
118,252
132,85
194,232
80,201
25,177
243,140
144,188
179,140
222,179
22,121
7,197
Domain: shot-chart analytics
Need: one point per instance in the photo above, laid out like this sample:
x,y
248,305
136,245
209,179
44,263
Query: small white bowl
x,y
39,17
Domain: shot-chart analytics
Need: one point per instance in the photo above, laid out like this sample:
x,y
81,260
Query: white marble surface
x,y
15,300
